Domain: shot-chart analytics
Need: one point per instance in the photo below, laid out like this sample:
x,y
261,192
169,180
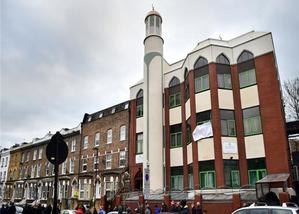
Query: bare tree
x,y
291,98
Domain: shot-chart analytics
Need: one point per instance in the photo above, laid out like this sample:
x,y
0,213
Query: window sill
x,y
139,116
228,89
170,107
197,92
247,86
249,135
174,147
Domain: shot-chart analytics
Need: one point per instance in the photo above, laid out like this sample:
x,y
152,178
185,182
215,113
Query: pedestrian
x,y
157,209
12,209
147,209
164,207
184,207
79,209
198,208
102,211
3,209
129,211
48,209
172,207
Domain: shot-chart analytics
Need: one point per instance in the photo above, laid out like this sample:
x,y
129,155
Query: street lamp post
x,y
96,169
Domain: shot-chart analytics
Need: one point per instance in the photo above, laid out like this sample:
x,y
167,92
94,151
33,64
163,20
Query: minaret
x,y
153,102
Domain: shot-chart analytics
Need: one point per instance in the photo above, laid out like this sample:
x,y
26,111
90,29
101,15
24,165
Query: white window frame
x,y
73,148
84,164
97,138
34,154
122,133
122,157
108,161
40,153
85,142
72,165
109,136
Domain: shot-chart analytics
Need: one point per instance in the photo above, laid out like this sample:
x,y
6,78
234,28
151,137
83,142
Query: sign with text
x,y
139,158
230,147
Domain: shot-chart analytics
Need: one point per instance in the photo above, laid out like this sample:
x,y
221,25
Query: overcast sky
x,y
61,59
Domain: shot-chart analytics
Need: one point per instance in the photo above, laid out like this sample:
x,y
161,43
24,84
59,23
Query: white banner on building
x,y
202,131
229,147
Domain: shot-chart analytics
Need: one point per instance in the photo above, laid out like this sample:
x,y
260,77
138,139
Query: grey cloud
x,y
64,58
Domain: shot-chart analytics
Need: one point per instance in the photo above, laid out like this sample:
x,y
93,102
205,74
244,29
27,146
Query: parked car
x,y
68,212
253,209
19,209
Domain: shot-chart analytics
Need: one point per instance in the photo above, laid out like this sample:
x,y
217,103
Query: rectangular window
x,y
187,91
139,141
108,161
109,136
95,162
256,170
38,170
85,142
247,78
177,178
73,149
188,127
40,153
23,158
122,158
224,81
97,139
202,83
72,165
34,155
28,156
174,96
252,121
190,177
84,164
228,127
139,110
176,135
207,179
203,117
231,173
122,133
207,174
63,168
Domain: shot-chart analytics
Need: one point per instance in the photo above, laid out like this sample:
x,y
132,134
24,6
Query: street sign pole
x,y
57,152
55,189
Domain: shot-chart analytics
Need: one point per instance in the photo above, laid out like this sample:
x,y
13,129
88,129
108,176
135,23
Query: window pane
x,y
227,81
220,79
231,128
224,128
251,77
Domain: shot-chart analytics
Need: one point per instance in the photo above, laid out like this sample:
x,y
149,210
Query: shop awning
x,y
273,178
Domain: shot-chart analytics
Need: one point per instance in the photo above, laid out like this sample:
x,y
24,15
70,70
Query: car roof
x,y
267,207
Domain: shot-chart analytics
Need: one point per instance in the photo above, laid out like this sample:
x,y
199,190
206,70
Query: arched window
x,y
223,72
174,98
245,56
222,59
187,93
139,103
174,81
246,69
201,75
200,62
